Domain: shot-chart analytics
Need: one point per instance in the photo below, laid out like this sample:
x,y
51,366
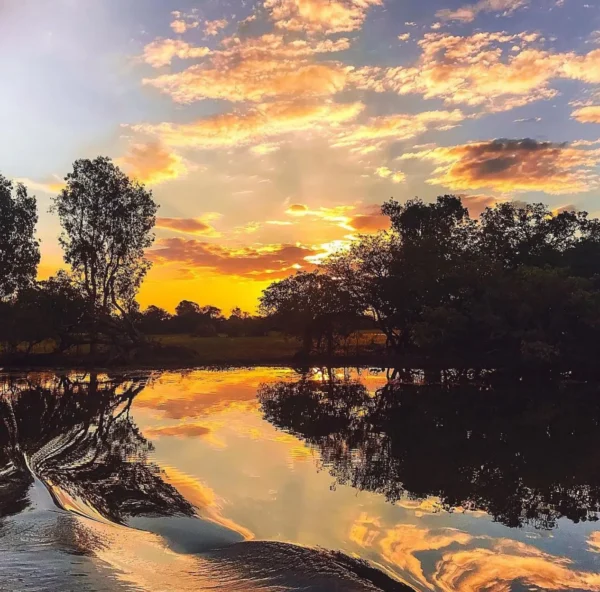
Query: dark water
x,y
268,479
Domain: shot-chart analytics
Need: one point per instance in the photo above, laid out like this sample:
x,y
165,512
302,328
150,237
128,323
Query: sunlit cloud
x,y
51,186
183,22
387,173
513,165
320,16
400,546
252,262
259,125
371,221
507,563
395,128
337,215
492,71
255,82
594,542
252,69
161,52
152,163
589,114
203,498
199,226
182,430
477,204
212,28
469,12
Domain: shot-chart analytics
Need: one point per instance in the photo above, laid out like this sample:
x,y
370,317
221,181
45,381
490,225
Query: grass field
x,y
187,351
234,350
264,350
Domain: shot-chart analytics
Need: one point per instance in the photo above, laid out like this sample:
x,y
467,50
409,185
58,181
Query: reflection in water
x,y
77,436
83,507
523,454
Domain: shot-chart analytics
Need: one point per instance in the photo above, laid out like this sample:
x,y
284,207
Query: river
x,y
276,479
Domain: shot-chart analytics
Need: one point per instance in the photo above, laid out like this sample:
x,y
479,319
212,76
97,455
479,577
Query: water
x,y
267,479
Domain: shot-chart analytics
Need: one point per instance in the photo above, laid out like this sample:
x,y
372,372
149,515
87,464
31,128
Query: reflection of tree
x,y
522,454
78,436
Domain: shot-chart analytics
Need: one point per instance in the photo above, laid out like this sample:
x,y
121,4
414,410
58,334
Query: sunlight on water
x,y
233,479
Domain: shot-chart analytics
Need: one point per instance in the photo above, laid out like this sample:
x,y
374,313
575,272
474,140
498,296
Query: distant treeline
x,y
519,284
201,321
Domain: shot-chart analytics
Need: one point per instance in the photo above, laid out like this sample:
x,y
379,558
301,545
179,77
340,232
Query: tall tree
x,y
312,306
19,249
107,222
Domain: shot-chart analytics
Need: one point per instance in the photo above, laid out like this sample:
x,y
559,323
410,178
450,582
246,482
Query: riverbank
x,y
184,352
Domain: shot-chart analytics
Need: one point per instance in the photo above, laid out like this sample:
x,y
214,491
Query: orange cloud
x,y
401,544
213,27
513,165
152,163
507,563
589,114
394,128
370,221
594,542
256,125
252,81
185,430
467,13
476,204
203,498
251,69
496,71
337,215
52,186
320,16
386,173
183,22
204,394
200,226
259,263
162,51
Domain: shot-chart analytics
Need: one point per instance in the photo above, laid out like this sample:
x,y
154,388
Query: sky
x,y
270,131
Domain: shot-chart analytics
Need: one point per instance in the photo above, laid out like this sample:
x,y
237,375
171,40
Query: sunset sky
x,y
270,130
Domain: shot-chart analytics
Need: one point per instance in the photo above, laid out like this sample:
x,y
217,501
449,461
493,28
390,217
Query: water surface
x,y
272,479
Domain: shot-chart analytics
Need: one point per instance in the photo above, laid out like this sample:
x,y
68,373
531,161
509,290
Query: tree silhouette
x,y
107,222
77,434
19,250
312,306
522,453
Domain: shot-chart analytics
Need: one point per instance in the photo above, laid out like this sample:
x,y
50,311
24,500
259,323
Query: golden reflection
x,y
508,561
206,392
594,542
400,545
365,530
203,498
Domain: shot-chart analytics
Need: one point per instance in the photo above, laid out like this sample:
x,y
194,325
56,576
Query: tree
x,y
154,320
19,250
313,306
107,222
187,308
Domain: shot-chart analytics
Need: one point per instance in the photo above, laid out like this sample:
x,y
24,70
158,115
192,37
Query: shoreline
x,y
53,363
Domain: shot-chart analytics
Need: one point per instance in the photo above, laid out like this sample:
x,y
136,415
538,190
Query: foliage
x,y
518,284
314,306
107,222
19,250
520,451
